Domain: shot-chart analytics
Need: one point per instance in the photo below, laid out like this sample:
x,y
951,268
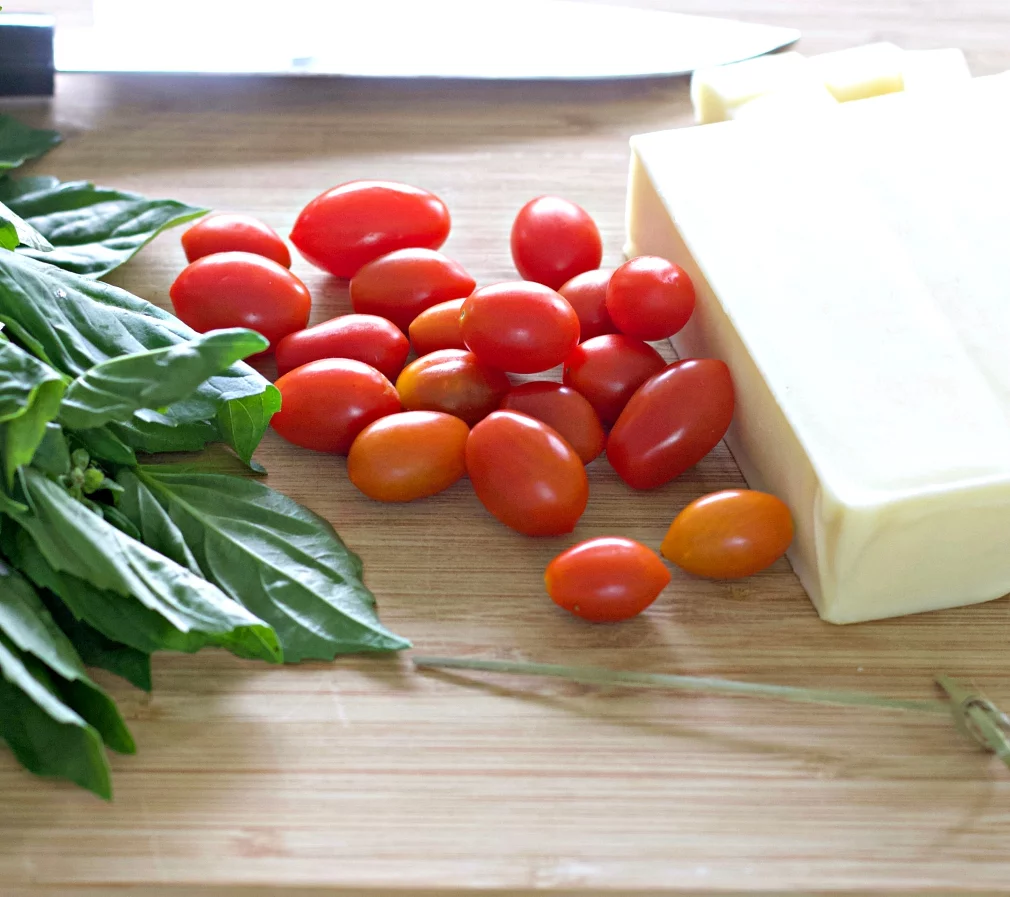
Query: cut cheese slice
x,y
807,97
717,91
861,72
855,275
934,69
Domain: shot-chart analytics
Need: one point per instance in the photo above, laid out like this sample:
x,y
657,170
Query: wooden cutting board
x,y
364,776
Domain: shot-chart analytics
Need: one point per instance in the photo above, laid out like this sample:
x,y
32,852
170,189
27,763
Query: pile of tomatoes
x,y
410,430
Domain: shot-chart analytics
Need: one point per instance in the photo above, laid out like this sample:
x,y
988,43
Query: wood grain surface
x,y
364,776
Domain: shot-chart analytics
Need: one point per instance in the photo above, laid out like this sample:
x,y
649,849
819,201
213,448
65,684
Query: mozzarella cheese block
x,y
717,91
860,72
806,97
933,69
854,273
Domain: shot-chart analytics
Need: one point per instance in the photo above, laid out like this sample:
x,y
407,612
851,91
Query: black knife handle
x,y
26,55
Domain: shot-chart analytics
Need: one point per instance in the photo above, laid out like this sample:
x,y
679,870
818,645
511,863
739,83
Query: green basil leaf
x,y
19,143
30,395
122,621
47,737
9,237
53,454
92,230
21,376
105,445
73,324
152,437
244,421
156,528
96,650
215,458
123,523
78,542
278,559
27,623
15,231
115,389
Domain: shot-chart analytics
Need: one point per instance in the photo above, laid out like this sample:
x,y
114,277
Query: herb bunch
x,y
106,555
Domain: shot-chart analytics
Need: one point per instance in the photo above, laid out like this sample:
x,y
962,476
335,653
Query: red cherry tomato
x,y
606,580
553,240
729,534
234,233
674,419
526,475
326,403
348,226
608,369
563,409
437,328
519,326
587,294
409,455
366,338
402,284
650,298
241,289
453,381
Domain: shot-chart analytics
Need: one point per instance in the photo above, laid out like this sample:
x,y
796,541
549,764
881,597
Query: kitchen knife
x,y
488,39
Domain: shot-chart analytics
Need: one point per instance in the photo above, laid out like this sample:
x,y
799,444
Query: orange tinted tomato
x,y
650,298
608,369
241,289
730,534
587,294
526,475
607,579
553,240
519,326
674,419
365,338
453,381
402,284
408,455
348,226
563,409
437,328
326,403
234,233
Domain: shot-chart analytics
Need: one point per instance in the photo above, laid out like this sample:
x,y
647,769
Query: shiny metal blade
x,y
494,39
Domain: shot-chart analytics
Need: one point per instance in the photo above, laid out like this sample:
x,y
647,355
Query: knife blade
x,y
483,39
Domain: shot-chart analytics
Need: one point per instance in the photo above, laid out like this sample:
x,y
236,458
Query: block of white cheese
x,y
854,273
717,91
933,69
806,97
861,72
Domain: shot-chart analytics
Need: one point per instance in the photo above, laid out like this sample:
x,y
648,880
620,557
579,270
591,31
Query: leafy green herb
x,y
151,520
92,230
48,737
242,422
53,454
96,650
27,623
30,395
103,562
276,558
19,143
102,443
115,389
123,523
73,324
15,231
76,541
